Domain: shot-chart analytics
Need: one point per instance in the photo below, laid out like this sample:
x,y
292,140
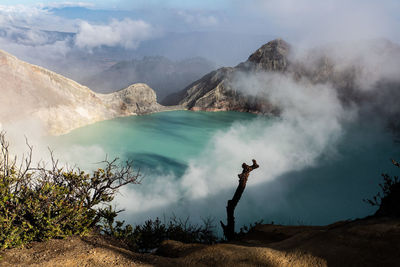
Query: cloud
x,y
198,18
126,33
35,47
24,25
325,21
34,17
34,34
66,4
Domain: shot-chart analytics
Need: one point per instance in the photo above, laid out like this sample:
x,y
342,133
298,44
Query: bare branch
x,y
229,229
395,163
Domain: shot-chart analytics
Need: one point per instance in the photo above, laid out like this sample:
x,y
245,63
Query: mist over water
x,y
159,143
176,152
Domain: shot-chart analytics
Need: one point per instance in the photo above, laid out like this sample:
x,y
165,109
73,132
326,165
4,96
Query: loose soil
x,y
366,242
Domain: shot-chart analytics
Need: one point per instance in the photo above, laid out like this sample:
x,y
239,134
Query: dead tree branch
x,y
229,229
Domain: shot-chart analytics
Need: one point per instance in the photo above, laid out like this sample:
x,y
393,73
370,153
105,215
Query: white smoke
x,y
310,124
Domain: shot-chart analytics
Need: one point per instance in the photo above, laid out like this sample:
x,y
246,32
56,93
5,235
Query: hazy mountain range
x,y
160,73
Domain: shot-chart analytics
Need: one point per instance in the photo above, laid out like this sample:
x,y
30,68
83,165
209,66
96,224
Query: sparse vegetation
x,y
38,203
148,236
388,200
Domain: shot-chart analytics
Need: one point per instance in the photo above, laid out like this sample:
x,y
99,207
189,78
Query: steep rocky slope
x,y
215,92
34,94
353,69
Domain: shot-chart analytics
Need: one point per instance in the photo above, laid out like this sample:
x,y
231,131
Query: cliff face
x,y
214,91
137,99
60,104
273,56
352,69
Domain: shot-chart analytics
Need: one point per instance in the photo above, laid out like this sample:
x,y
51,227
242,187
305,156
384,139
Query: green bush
x,y
388,200
148,236
37,204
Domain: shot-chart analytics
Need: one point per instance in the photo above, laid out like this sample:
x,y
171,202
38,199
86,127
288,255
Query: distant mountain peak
x,y
272,56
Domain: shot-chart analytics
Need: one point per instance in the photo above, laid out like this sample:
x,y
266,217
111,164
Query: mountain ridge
x,y
352,69
60,104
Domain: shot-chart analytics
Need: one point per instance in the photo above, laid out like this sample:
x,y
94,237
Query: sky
x,y
126,4
124,24
295,20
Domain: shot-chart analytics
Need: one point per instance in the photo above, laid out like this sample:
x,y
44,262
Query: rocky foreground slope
x,y
34,94
354,70
367,242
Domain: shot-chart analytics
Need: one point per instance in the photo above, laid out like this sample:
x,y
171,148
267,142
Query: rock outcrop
x,y
214,92
351,69
273,56
29,92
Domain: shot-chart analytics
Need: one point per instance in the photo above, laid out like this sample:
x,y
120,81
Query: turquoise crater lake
x,y
164,143
157,143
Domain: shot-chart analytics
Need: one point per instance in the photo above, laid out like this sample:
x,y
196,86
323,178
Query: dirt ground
x,y
367,242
